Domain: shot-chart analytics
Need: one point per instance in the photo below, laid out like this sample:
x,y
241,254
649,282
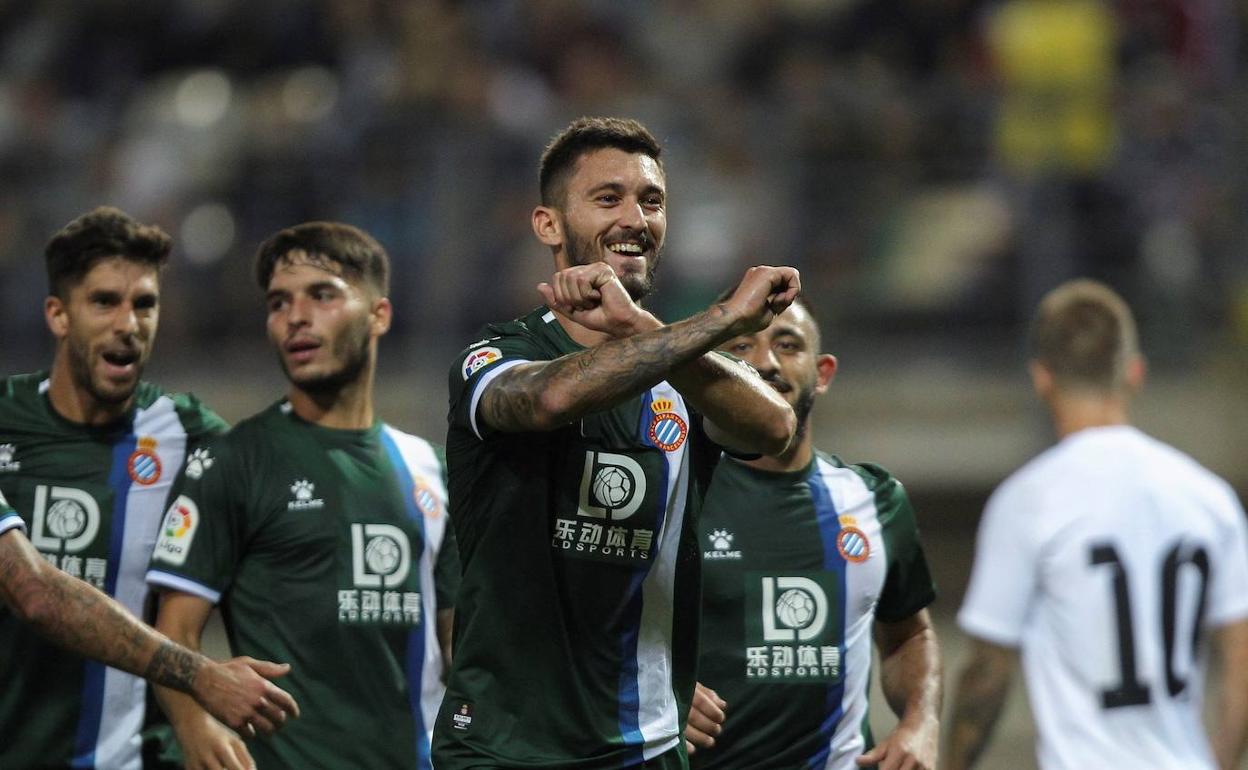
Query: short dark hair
x,y
99,234
585,135
1085,335
359,255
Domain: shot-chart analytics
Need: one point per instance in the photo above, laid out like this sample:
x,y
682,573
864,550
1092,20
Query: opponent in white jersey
x,y
1111,560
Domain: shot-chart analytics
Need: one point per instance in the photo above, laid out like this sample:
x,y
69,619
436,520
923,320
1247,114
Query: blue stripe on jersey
x,y
630,689
88,732
829,528
415,658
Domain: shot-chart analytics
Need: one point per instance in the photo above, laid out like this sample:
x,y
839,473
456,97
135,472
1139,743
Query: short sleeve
x,y
1228,601
908,585
1005,572
446,571
198,545
476,367
8,517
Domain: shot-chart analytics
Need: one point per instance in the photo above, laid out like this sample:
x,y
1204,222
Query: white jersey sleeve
x,y
1003,579
1228,599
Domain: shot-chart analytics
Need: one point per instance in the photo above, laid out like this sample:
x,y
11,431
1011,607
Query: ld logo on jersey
x,y
64,519
794,609
612,486
177,531
380,555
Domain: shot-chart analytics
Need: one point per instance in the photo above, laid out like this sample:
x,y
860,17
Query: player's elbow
x,y
555,409
777,433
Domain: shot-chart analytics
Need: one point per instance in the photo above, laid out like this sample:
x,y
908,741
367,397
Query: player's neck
x,y
1073,413
795,458
581,335
77,404
348,408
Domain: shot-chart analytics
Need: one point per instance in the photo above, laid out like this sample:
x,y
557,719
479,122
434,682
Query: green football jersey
x,y
797,568
576,626
321,547
91,499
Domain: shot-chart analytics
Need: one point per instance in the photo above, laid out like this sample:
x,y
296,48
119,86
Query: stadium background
x,y
932,166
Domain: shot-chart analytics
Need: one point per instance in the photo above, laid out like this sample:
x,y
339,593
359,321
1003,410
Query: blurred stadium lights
x,y
207,233
203,98
309,94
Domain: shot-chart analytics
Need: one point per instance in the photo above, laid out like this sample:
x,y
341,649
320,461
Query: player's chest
x,y
84,499
343,511
752,556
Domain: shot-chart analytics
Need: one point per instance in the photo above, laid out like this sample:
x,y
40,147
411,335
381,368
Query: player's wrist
x,y
640,322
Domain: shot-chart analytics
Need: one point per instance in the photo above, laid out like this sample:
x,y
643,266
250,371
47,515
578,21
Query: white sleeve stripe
x,y
988,630
178,583
480,388
12,522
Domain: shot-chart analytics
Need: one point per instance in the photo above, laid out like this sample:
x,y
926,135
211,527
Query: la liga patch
x,y
479,359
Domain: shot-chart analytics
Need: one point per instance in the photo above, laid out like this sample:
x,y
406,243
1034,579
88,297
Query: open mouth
x,y
301,350
627,248
120,362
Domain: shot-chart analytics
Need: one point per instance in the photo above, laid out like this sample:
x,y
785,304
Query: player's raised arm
x,y
641,351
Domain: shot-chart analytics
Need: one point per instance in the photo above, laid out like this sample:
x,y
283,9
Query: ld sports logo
x,y
65,519
381,560
789,626
612,489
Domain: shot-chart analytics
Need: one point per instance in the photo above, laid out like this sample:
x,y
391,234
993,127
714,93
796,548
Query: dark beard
x,y
80,372
352,348
581,250
805,403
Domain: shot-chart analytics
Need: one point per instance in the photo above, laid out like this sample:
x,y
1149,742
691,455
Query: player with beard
x,y
88,452
320,530
805,559
582,438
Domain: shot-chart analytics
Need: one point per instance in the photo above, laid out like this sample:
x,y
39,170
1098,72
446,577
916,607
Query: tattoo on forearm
x,y
597,377
173,666
979,704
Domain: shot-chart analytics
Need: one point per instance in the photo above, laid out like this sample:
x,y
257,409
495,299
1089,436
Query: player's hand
x,y
593,296
208,745
238,692
909,747
706,719
764,292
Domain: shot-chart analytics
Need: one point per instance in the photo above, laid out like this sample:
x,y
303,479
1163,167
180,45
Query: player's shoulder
x,y
416,449
20,391
196,417
874,476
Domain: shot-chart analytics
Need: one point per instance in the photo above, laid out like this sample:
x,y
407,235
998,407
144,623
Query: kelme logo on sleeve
x,y
65,519
199,461
790,628
176,531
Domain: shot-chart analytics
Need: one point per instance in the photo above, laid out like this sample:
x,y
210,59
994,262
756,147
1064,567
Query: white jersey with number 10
x,y
1109,560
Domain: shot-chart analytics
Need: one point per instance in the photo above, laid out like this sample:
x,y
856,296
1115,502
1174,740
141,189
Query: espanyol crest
x,y
667,429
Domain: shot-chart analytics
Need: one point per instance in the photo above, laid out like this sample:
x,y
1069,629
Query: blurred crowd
x,y
931,165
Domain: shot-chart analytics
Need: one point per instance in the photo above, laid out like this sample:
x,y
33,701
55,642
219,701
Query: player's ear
x,y
1041,379
1137,370
380,316
825,368
548,226
56,315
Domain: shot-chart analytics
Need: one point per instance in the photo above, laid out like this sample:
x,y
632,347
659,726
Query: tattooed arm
x,y
544,395
86,621
982,687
